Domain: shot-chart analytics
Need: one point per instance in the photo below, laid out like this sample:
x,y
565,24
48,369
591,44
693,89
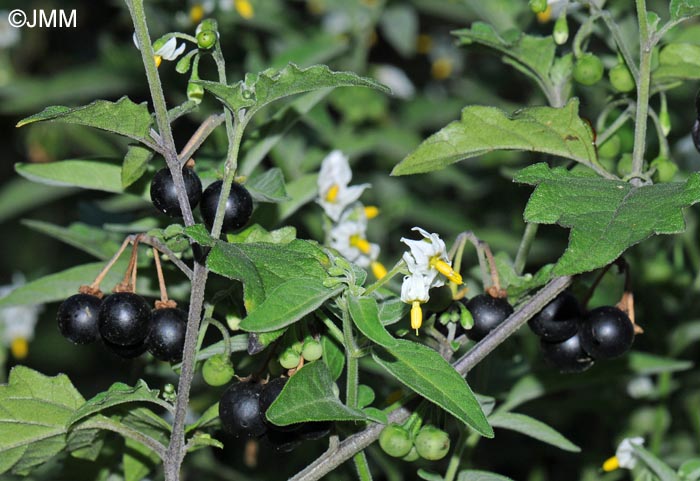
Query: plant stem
x,y
456,458
620,42
524,248
380,282
357,442
643,84
108,424
198,138
153,242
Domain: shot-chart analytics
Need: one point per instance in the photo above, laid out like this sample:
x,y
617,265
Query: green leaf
x,y
683,336
138,460
365,314
256,233
690,470
268,187
428,476
661,469
258,90
648,364
427,373
475,475
392,310
680,9
605,216
533,428
208,418
556,131
60,285
333,356
677,61
123,117
308,396
135,164
301,191
399,24
365,396
93,240
258,341
18,195
34,420
287,303
117,394
87,174
533,56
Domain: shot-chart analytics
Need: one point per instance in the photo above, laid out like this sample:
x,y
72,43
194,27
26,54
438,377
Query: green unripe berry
x,y
665,169
289,359
621,78
412,455
206,39
178,244
395,441
538,6
610,148
217,370
588,69
624,165
561,30
312,350
432,443
297,347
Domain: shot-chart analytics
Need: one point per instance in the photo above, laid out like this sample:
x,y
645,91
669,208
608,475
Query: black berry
x,y
126,352
314,430
607,332
124,319
164,193
268,394
239,410
282,441
567,356
559,320
488,312
239,206
167,336
77,318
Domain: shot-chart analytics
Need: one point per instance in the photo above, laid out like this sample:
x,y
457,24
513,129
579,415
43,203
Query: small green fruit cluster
x,y
430,443
310,350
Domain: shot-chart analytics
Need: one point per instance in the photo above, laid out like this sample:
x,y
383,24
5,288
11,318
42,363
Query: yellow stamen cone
x,y
611,464
371,211
546,16
446,270
196,13
19,348
378,269
244,8
416,316
332,193
361,244
158,60
441,68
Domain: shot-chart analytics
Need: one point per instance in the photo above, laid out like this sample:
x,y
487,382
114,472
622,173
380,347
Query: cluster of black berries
x,y
239,205
125,323
486,313
572,339
242,411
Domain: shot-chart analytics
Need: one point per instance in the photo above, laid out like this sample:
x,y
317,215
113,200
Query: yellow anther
x,y
158,59
394,396
441,69
332,193
424,43
416,316
361,244
244,8
19,348
611,464
546,16
378,269
196,13
371,211
446,270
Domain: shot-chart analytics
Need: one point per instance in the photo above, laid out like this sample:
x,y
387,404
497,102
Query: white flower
x,y
428,258
396,79
415,291
164,50
17,323
625,456
333,179
349,237
9,35
640,387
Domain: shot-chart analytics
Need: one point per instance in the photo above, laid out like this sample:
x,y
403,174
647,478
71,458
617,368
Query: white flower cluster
x,y
339,200
17,323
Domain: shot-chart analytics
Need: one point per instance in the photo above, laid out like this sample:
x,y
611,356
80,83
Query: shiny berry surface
x,y
239,410
124,319
239,206
488,312
606,333
559,320
77,318
126,352
167,336
567,356
164,193
432,443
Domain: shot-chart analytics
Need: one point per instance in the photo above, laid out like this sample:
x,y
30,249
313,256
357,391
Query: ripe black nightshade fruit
x,y
167,336
164,193
559,319
239,410
77,318
239,206
124,319
126,352
567,356
268,394
313,430
607,332
488,312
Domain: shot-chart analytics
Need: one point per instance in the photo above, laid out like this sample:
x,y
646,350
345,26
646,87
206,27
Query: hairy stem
x,y
643,85
524,248
357,442
198,138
